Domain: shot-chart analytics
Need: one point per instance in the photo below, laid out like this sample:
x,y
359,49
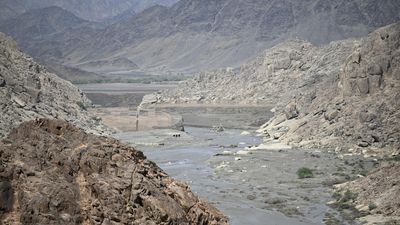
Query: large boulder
x,y
54,173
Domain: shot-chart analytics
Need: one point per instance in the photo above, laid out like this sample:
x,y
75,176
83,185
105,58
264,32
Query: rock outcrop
x,y
28,91
54,173
364,109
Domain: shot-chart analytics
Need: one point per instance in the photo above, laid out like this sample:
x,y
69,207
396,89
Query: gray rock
x,y
363,144
2,82
331,114
375,70
282,64
362,86
6,196
291,111
375,83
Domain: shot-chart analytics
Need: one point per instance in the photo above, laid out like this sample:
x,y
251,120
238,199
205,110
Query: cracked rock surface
x,y
54,173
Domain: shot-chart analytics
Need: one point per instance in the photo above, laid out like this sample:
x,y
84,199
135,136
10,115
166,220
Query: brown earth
x,y
53,173
380,190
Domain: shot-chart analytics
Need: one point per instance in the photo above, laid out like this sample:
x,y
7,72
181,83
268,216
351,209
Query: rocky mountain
x,y
93,10
39,23
53,32
344,95
29,91
54,173
195,35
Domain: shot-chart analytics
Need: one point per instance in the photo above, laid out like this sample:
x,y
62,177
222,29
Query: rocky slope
x,y
362,113
28,91
343,95
54,173
378,192
293,65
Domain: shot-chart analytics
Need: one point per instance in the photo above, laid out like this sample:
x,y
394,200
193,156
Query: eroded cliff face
x,y
54,173
28,91
363,116
374,66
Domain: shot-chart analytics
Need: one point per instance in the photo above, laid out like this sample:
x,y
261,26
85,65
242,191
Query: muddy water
x,y
260,188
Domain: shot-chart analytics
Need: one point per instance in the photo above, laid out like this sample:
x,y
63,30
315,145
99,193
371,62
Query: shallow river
x,y
251,190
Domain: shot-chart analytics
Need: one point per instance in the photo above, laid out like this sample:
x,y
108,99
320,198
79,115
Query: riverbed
x,y
251,185
255,188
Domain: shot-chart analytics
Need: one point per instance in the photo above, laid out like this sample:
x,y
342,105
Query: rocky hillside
x,y
362,114
54,173
378,192
344,95
293,65
28,91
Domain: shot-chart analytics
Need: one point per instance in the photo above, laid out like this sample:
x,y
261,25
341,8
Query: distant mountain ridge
x,y
94,10
197,35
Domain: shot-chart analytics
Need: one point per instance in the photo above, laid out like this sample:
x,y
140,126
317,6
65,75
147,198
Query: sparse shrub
x,y
394,158
81,105
372,206
392,222
349,196
304,172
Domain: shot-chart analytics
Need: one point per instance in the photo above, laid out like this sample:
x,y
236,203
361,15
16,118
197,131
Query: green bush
x,y
82,105
348,197
304,172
